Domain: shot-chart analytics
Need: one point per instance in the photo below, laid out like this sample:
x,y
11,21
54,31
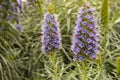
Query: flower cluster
x,y
84,43
8,10
51,38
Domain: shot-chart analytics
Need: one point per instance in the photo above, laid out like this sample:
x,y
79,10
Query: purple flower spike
x,y
84,42
51,38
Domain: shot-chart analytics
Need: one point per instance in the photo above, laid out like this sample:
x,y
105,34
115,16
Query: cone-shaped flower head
x,y
50,37
84,43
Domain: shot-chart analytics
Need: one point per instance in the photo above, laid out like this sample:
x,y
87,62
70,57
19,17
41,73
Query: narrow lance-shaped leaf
x,y
116,16
118,67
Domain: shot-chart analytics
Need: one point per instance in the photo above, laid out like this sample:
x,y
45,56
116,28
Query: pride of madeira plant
x,y
51,36
84,43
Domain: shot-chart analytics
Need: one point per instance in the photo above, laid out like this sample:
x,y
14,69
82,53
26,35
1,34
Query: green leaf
x,y
118,67
104,13
68,24
116,16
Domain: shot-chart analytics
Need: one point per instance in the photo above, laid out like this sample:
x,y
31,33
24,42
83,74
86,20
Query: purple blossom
x,y
87,17
10,17
88,40
90,26
51,38
87,5
19,3
84,42
81,58
86,52
89,47
84,31
19,27
93,56
84,23
75,58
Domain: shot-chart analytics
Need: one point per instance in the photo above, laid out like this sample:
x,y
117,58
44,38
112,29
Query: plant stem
x,y
54,66
84,75
82,70
78,68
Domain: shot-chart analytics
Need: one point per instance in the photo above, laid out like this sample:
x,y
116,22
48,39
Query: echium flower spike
x,y
84,43
51,38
